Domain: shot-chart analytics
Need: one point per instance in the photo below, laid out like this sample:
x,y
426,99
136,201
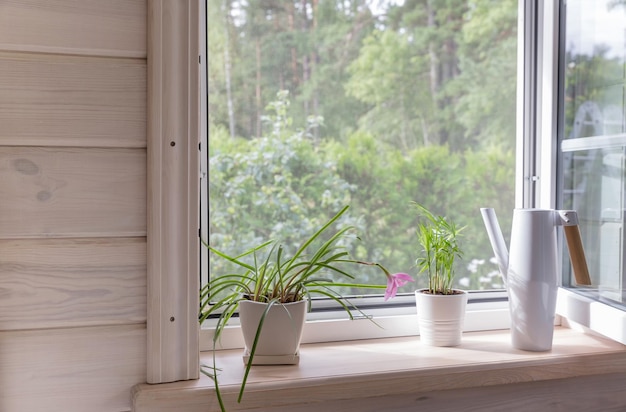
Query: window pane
x,y
317,104
594,137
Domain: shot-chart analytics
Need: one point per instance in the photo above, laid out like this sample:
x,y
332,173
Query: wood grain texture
x,y
72,192
399,372
577,255
52,283
603,392
73,189
89,27
71,370
174,182
587,393
50,100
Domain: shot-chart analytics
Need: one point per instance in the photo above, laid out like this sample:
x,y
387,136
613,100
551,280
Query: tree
x,y
391,77
485,86
413,103
303,46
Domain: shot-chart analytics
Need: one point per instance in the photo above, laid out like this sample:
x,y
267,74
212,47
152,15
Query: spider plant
x,y
270,276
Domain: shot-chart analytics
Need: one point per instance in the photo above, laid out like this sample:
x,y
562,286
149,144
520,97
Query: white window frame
x,y
579,311
175,49
487,310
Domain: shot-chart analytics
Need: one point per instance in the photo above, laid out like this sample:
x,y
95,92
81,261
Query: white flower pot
x,y
440,317
281,333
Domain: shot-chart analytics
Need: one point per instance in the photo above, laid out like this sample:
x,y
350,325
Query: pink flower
x,y
394,282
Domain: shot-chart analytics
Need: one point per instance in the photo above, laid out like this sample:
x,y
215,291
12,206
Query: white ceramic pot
x,y
440,317
281,332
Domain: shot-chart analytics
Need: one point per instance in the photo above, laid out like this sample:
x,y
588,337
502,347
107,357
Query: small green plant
x,y
271,277
438,239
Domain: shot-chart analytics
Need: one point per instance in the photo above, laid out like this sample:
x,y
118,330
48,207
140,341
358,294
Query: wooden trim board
x,y
174,185
359,372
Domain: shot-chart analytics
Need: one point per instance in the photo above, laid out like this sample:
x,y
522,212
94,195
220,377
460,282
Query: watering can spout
x,y
497,240
566,218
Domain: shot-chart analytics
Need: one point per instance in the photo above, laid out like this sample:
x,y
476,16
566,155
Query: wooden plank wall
x,y
72,204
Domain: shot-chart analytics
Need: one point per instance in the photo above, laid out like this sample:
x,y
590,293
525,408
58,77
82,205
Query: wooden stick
x,y
577,255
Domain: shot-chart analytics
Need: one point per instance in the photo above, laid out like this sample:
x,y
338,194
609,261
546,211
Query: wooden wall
x,y
72,204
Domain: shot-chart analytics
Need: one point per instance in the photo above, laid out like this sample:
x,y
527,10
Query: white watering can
x,y
530,271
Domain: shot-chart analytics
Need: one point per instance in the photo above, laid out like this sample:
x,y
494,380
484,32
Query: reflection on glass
x,y
595,51
593,167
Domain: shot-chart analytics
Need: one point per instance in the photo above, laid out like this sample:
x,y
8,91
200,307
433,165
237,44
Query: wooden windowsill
x,y
379,368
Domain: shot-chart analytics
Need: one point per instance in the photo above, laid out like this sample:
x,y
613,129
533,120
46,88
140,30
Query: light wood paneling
x,y
71,370
92,27
50,283
50,100
72,192
73,189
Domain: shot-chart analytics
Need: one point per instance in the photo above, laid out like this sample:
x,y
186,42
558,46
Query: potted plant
x,y
440,307
272,294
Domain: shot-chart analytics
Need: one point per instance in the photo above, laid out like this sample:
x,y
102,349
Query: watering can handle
x,y
569,220
577,255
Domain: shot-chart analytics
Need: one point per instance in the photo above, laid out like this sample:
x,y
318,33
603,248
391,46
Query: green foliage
x,y
486,86
217,47
592,79
438,238
300,46
415,74
276,277
488,180
416,102
280,186
283,185
391,77
283,279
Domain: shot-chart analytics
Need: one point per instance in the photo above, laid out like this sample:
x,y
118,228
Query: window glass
x,y
317,104
593,137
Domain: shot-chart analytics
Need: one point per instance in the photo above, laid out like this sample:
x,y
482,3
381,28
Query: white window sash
x,y
401,322
580,311
385,322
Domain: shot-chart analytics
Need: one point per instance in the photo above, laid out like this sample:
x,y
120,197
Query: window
x,y
172,296
571,85
592,133
313,105
588,118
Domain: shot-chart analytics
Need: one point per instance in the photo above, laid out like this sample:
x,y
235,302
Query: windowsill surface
x,y
338,371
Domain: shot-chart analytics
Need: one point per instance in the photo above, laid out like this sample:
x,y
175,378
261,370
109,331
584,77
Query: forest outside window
x,y
315,104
